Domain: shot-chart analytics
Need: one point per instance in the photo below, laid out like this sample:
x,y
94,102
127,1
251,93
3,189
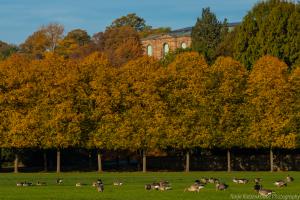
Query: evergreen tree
x,y
270,28
207,34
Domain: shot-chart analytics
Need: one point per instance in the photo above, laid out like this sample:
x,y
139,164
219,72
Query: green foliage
x,y
6,50
207,34
74,43
131,20
271,28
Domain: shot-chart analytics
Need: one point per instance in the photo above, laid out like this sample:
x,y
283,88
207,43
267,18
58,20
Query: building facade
x,y
160,45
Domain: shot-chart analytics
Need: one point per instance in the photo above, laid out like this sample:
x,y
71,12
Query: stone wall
x,y
158,43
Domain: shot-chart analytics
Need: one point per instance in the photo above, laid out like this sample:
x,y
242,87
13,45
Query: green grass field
x,y
133,188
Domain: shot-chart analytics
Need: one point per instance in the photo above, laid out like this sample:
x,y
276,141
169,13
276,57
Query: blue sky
x,y
20,18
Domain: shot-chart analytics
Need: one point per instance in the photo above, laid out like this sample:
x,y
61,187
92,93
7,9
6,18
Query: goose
x,y
240,180
40,183
280,183
26,184
194,188
235,180
148,187
263,192
221,186
59,181
204,180
99,185
19,184
78,184
117,183
164,185
257,187
95,183
213,180
289,179
257,180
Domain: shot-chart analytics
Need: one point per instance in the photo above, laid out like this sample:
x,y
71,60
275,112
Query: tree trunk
x,y
58,161
0,158
228,161
45,161
99,162
16,163
271,160
90,160
144,161
187,162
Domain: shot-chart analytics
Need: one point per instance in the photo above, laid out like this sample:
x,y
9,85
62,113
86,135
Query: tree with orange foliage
x,y
121,44
268,107
182,86
19,93
229,79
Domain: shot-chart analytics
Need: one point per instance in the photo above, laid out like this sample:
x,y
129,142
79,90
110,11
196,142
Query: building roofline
x,y
182,32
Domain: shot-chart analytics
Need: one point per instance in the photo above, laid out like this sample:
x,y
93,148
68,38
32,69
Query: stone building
x,y
160,44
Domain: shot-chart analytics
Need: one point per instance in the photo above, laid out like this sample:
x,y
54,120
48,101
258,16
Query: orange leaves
x,y
59,103
270,102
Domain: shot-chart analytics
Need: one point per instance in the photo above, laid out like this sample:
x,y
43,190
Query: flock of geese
x,y
195,187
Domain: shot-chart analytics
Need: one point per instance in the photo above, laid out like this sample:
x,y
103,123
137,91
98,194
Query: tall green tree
x,y
271,28
207,34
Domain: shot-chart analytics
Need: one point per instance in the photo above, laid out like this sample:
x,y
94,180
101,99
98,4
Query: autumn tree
x,y
269,106
19,93
271,28
36,44
207,34
44,39
96,80
74,44
141,118
54,33
122,44
228,78
182,86
59,111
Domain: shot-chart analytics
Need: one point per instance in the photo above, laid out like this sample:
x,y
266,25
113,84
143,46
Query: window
x,y
165,49
183,45
149,50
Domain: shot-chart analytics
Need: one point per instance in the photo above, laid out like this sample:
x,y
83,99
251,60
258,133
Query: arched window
x,y
166,49
183,45
149,50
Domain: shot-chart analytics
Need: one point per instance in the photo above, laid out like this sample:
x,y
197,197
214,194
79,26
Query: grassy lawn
x,y
133,188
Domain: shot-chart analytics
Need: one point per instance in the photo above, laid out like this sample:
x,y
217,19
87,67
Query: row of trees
x,y
59,103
